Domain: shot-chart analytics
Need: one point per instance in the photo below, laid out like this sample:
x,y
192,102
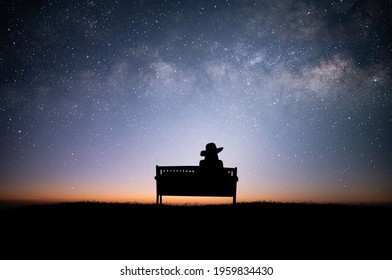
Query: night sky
x,y
95,94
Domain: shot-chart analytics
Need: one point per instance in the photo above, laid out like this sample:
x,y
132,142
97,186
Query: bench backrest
x,y
171,170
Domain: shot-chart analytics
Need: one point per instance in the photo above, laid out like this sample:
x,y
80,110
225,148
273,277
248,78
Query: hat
x,y
211,149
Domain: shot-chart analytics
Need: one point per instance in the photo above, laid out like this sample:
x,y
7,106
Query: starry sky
x,y
95,94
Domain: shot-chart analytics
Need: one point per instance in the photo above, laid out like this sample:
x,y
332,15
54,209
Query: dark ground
x,y
260,230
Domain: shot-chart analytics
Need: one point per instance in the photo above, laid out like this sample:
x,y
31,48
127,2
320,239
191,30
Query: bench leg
x,y
160,198
234,200
157,198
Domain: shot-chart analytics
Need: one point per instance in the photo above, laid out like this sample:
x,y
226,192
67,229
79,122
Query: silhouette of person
x,y
211,159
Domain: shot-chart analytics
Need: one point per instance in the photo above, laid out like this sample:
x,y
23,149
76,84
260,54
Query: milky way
x,y
94,94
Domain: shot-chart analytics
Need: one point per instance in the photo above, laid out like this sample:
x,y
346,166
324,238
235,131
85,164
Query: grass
x,y
253,230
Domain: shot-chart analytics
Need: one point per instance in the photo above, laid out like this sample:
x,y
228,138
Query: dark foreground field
x,y
260,230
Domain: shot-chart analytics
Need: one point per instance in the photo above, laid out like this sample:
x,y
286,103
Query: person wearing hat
x,y
211,159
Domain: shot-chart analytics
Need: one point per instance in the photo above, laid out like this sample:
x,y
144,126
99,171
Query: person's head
x,y
211,151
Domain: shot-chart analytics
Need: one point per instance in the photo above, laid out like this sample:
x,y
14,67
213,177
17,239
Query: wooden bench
x,y
195,181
